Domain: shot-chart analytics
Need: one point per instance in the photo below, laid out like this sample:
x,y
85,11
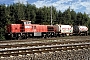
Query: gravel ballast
x,y
83,54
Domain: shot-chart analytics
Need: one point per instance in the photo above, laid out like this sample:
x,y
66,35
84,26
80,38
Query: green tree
x,y
59,18
67,16
79,18
85,18
2,20
39,16
54,15
88,24
73,17
33,13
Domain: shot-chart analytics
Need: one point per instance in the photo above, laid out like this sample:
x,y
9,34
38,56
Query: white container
x,y
66,29
82,28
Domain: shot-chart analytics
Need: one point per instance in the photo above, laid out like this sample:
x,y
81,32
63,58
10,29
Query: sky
x,y
76,5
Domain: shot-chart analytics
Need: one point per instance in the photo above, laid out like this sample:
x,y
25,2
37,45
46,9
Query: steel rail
x,y
39,44
40,49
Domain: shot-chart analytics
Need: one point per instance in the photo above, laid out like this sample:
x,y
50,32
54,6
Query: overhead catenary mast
x,y
51,15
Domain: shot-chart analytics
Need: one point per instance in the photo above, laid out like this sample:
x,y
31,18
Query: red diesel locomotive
x,y
24,29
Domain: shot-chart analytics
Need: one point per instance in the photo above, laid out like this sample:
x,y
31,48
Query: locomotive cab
x,y
23,22
14,31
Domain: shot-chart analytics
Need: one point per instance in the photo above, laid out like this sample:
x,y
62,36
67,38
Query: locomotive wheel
x,y
67,34
7,37
45,36
19,38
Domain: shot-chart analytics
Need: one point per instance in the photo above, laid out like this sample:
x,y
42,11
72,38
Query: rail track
x,y
69,38
33,46
45,47
30,44
41,39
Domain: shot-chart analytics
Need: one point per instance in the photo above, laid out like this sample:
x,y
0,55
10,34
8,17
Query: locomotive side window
x,y
27,22
24,22
34,27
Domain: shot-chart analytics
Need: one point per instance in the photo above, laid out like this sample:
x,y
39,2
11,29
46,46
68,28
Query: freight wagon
x,y
80,30
63,30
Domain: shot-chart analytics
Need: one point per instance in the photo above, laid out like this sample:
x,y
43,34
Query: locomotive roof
x,y
25,21
22,21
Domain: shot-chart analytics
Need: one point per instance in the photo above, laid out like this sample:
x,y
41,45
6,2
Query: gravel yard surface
x,y
83,54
